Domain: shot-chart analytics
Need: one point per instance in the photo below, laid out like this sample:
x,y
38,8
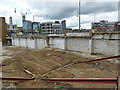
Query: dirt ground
x,y
43,61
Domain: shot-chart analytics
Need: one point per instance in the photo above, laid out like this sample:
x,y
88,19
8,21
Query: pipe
x,y
16,78
30,73
19,78
84,80
1,65
101,59
118,56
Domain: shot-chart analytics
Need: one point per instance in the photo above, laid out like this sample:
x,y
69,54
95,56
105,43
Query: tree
x,y
40,29
34,30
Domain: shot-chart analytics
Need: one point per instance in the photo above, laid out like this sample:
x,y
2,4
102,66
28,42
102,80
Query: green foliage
x,y
33,30
40,29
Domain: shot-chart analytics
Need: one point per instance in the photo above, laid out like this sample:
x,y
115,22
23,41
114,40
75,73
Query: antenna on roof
x,y
79,14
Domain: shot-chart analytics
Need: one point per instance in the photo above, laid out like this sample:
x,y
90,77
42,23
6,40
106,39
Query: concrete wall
x,y
41,43
31,43
79,34
109,47
103,43
15,41
23,42
55,42
107,44
77,44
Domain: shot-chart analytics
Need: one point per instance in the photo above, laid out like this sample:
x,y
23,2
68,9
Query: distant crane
x,y
15,18
46,17
34,17
24,15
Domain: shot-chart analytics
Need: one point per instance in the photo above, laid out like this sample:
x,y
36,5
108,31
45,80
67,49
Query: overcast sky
x,y
60,10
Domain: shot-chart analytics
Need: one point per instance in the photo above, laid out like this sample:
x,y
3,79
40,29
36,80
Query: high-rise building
x,y
63,25
51,27
36,26
27,26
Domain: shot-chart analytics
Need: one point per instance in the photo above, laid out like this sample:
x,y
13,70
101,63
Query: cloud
x,y
55,10
61,10
99,7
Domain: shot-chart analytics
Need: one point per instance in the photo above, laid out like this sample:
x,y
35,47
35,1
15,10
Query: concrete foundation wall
x,y
41,43
15,41
77,44
31,43
22,42
56,43
79,34
107,47
103,43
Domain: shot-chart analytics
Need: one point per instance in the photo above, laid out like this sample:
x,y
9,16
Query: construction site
x,y
48,55
85,60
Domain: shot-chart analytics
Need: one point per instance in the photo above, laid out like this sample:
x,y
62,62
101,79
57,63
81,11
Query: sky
x,y
51,10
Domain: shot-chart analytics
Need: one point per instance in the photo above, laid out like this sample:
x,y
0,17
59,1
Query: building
x,y
99,26
11,24
45,27
3,29
51,27
20,28
31,27
96,25
113,26
36,26
106,26
14,28
103,22
63,25
27,26
10,27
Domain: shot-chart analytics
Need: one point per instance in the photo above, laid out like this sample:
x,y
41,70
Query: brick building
x,y
2,29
